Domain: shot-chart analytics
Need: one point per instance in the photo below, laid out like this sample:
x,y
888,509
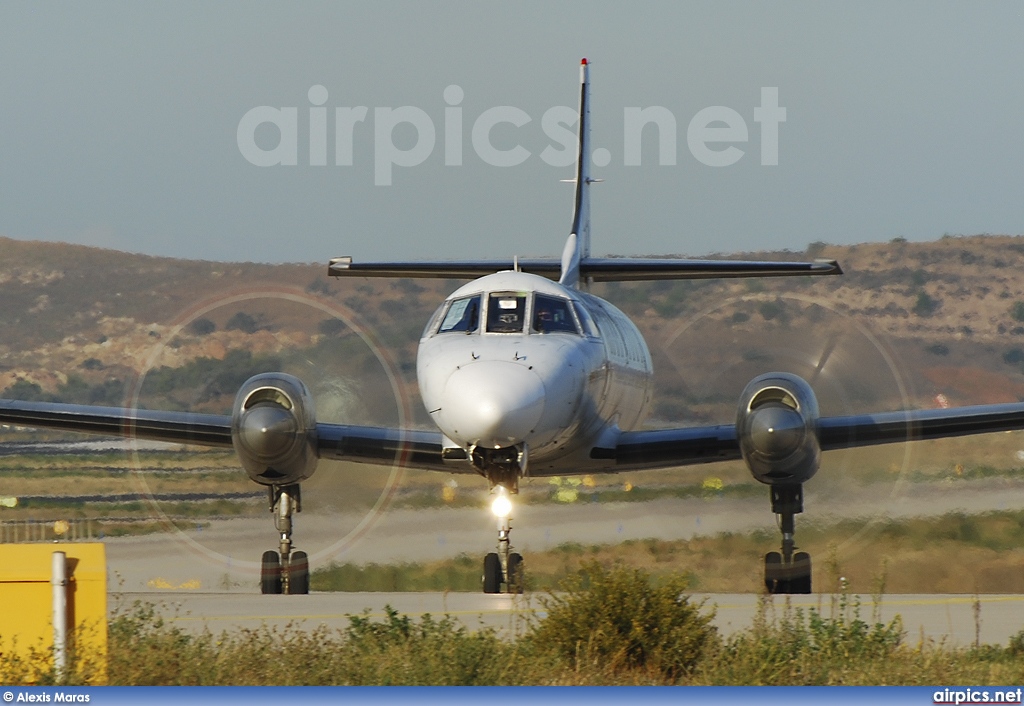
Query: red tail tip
x,y
584,62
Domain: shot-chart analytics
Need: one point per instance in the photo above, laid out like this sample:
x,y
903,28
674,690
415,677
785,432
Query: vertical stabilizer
x,y
577,248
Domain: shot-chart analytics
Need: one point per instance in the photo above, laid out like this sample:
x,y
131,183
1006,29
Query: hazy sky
x,y
119,125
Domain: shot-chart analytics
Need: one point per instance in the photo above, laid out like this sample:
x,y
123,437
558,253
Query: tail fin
x,y
577,267
577,247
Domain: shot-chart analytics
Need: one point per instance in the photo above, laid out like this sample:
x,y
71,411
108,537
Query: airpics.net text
x,y
712,134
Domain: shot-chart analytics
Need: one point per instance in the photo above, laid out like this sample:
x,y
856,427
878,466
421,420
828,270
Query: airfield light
x,y
502,506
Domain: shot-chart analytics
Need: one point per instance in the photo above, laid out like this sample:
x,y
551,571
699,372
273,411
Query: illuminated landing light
x,y
502,506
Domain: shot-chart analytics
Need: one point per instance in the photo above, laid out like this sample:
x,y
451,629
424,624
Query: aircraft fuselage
x,y
525,374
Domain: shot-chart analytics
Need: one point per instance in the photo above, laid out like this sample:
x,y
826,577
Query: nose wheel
x,y
788,571
284,571
503,567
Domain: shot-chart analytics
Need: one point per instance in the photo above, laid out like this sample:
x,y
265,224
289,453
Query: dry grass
x,y
953,553
604,628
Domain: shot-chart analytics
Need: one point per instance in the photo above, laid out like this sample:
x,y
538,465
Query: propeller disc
x,y
703,363
197,363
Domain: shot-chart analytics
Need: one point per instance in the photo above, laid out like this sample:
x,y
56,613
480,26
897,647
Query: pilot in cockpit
x,y
551,314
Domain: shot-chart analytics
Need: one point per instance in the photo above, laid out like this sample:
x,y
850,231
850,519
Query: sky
x,y
123,125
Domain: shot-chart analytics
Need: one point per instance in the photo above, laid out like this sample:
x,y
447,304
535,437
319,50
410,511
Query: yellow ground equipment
x,y
33,588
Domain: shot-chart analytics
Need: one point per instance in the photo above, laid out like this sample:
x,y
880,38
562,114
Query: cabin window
x,y
463,315
552,315
506,313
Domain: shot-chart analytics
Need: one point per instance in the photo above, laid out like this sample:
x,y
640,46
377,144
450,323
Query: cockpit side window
x,y
463,316
506,313
552,315
435,318
589,327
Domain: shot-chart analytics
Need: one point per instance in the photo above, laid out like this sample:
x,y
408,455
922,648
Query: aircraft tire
x,y
514,583
270,573
492,573
801,581
773,580
298,574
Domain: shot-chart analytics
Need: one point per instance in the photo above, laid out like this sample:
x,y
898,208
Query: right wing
x,y
360,444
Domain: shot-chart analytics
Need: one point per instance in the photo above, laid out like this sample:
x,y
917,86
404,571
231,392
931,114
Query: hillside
x,y
908,322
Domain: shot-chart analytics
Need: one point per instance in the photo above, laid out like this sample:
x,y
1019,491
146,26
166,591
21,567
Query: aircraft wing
x,y
179,427
361,444
663,448
645,449
887,427
411,448
598,269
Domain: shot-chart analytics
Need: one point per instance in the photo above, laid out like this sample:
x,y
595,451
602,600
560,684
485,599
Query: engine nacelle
x,y
273,429
777,429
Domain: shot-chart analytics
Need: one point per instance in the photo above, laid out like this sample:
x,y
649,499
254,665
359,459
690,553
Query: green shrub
x,y
201,327
1013,356
616,618
805,648
397,650
925,305
1017,311
771,310
1016,646
242,322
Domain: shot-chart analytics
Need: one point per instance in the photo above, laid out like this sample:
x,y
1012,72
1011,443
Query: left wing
x,y
684,446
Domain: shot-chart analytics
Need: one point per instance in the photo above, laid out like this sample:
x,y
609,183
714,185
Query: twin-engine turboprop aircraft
x,y
526,374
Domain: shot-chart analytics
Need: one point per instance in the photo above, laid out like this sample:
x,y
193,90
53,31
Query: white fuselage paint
x,y
559,393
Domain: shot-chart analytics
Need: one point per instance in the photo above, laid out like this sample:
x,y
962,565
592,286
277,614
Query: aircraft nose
x,y
491,403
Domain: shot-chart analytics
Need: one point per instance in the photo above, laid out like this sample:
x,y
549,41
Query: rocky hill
x,y
909,324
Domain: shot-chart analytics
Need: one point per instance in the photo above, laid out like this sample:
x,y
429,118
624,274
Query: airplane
x,y
527,374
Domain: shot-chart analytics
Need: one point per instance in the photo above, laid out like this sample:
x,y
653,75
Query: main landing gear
x,y
286,571
503,567
787,571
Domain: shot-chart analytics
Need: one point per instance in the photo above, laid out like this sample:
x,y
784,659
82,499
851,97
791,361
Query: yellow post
x,y
27,603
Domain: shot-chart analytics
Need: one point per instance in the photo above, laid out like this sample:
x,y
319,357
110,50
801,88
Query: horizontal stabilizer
x,y
609,269
467,269
621,269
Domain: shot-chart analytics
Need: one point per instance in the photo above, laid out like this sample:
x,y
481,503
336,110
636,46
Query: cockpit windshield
x,y
463,315
552,315
506,313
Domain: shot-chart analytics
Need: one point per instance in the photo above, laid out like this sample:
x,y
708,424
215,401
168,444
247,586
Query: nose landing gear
x,y
503,566
287,571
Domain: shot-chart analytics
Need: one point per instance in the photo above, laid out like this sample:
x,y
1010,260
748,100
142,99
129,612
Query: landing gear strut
x,y
787,571
503,566
287,571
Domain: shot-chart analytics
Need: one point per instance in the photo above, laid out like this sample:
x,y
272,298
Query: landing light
x,y
502,506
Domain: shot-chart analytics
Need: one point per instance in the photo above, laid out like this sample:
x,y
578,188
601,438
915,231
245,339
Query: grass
x,y
953,553
459,574
606,625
